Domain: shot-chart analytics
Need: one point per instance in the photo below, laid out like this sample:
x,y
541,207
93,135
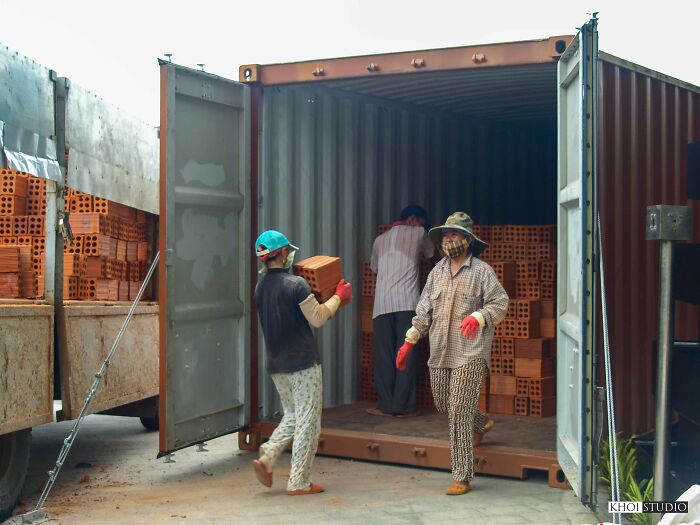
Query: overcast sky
x,y
111,47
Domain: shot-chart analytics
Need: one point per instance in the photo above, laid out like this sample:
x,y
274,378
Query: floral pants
x,y
301,394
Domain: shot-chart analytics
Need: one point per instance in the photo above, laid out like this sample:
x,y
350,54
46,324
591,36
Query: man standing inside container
x,y
287,309
460,306
396,256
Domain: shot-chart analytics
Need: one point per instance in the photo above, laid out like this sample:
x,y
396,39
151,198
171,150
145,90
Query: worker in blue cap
x,y
287,309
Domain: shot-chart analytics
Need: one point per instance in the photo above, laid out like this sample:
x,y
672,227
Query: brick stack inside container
x,y
522,375
22,237
109,256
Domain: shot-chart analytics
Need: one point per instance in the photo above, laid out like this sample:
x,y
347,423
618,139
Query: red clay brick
x,y
502,385
545,407
509,327
548,327
527,270
507,347
522,386
528,309
534,367
547,290
496,347
527,328
522,406
505,271
543,387
500,404
512,312
495,365
537,348
507,366
547,308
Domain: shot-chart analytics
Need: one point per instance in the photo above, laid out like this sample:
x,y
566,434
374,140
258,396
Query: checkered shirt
x,y
446,300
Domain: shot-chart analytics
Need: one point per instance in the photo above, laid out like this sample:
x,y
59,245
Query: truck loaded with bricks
x,y
77,236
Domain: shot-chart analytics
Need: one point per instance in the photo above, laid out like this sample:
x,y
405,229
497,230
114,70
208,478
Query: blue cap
x,y
270,241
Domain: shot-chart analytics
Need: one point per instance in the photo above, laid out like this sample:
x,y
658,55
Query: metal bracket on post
x,y
667,224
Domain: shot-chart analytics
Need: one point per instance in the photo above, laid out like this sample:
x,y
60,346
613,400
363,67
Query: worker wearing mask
x,y
460,306
396,255
287,309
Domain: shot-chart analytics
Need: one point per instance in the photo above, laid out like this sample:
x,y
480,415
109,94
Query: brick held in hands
x,y
13,183
544,407
522,386
9,258
13,205
320,271
536,348
522,406
548,327
525,367
543,387
502,384
500,404
9,285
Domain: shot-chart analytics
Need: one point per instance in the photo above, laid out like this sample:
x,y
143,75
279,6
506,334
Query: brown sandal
x,y
312,489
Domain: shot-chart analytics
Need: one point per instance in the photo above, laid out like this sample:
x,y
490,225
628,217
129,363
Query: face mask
x,y
289,261
454,249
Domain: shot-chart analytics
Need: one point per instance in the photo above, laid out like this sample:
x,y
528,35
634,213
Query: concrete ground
x,y
112,476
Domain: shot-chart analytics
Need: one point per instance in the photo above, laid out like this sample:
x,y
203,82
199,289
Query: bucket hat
x,y
462,223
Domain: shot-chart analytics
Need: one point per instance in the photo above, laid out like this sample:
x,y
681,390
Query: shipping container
x,y
546,131
50,349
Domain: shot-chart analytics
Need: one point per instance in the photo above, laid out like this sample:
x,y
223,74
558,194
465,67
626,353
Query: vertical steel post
x,y
665,349
667,224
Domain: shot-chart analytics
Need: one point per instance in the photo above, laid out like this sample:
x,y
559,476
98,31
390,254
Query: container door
x,y
204,273
576,122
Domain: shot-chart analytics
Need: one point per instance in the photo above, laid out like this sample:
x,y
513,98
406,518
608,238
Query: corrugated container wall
x,y
334,165
646,120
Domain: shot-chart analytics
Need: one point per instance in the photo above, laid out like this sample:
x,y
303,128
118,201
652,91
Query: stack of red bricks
x,y
522,373
108,258
22,237
369,282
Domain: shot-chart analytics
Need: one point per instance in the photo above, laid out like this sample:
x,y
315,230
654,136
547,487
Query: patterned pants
x,y
302,400
456,391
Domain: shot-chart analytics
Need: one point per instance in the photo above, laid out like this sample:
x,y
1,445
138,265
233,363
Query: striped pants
x,y
456,392
301,394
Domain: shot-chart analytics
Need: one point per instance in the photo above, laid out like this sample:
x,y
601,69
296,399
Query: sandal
x,y
312,489
261,473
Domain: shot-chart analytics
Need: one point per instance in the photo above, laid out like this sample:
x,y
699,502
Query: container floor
x,y
508,431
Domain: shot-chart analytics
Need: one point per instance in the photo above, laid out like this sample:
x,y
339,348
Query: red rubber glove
x,y
403,354
469,327
344,291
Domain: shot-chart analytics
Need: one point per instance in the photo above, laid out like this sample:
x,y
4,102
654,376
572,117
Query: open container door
x,y
575,296
204,273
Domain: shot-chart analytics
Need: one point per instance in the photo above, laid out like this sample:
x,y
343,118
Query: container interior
x,y
338,159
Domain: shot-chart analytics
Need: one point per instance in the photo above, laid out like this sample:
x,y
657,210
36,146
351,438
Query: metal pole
x,y
663,400
667,224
